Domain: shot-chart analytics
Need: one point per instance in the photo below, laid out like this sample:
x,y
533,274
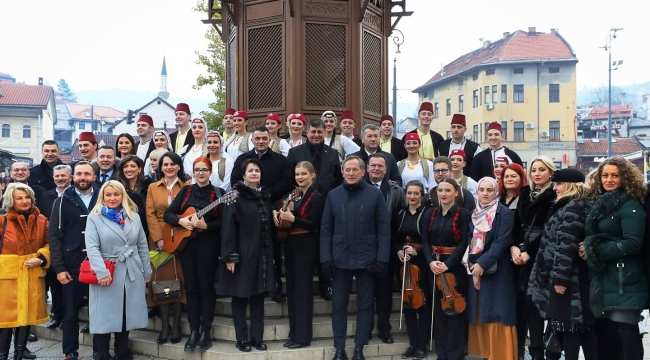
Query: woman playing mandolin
x,y
301,255
199,257
444,236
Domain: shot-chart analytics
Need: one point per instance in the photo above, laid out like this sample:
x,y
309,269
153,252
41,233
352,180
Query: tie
x,y
377,185
259,155
104,176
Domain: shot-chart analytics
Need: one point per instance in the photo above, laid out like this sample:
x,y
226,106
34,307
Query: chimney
x,y
486,43
532,30
40,81
506,34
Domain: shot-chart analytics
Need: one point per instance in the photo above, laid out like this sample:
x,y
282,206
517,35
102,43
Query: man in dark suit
x,y
458,141
429,139
370,137
106,165
389,143
182,136
41,174
20,173
483,164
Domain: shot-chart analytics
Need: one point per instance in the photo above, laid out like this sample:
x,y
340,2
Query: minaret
x,y
163,82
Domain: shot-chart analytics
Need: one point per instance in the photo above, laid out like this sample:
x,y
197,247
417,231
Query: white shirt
x,y
287,144
232,145
215,179
142,150
418,174
377,184
188,160
456,146
86,198
496,153
347,145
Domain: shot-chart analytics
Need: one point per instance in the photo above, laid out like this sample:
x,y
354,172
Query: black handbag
x,y
166,289
551,341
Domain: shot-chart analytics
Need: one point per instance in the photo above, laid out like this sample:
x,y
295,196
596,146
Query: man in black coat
x,y
370,138
67,245
483,163
20,173
458,141
354,242
429,139
182,117
41,174
389,143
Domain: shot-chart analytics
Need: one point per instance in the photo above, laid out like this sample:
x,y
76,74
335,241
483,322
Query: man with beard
x,y
328,175
370,134
62,179
182,136
106,164
145,130
41,174
228,126
354,242
483,163
67,248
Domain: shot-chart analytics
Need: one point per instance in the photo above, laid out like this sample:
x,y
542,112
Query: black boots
x,y
191,342
204,343
20,341
5,342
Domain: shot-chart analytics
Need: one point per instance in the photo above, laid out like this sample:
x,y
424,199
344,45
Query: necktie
x,y
259,155
377,185
104,176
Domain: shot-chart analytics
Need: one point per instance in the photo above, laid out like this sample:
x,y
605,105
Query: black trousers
x,y
384,297
56,289
572,341
535,325
199,260
300,256
73,299
277,265
101,342
618,340
418,321
341,287
238,306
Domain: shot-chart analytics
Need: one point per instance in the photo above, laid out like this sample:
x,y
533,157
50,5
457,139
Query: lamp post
x,y
398,39
608,47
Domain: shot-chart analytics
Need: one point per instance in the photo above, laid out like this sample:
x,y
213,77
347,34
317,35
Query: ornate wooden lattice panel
x,y
232,71
265,76
325,65
371,73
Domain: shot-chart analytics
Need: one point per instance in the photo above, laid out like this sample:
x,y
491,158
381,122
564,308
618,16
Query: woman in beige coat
x,y
159,195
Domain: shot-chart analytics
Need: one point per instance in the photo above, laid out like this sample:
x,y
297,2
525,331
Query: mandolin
x,y
285,226
175,237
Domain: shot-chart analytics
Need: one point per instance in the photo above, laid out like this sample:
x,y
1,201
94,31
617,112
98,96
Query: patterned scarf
x,y
482,218
116,216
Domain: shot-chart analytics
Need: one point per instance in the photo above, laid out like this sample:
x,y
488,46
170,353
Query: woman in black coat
x,y
301,255
247,255
535,202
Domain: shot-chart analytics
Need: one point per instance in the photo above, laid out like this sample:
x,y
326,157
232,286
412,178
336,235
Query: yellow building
x,y
526,81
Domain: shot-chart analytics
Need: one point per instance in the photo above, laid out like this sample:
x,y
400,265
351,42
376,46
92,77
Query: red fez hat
x,y
294,116
87,136
495,126
458,119
387,117
274,117
146,119
183,107
426,106
229,111
412,136
348,114
504,159
241,113
458,152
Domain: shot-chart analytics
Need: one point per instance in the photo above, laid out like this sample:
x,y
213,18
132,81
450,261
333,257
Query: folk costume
x,y
469,147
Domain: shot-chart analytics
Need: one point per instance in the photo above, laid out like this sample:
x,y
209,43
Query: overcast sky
x,y
121,43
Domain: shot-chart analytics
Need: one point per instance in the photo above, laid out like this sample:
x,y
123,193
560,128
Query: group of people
x,y
514,248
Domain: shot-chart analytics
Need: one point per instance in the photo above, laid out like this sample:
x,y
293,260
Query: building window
x,y
487,94
475,77
436,107
494,94
554,69
554,93
448,110
430,94
504,93
489,72
6,130
558,164
82,125
554,130
518,94
475,98
461,103
425,95
27,131
487,125
475,138
519,131
448,134
518,70
504,126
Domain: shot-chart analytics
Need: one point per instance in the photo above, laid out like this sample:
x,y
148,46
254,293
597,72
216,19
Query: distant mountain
x,y
123,100
621,94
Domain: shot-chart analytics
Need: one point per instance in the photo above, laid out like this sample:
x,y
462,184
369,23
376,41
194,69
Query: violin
x,y
452,302
285,226
412,294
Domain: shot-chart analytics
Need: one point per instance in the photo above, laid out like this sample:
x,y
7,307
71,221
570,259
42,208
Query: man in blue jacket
x,y
354,242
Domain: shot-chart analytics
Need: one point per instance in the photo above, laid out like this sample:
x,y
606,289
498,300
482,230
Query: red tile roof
x,y
618,111
78,111
519,46
622,146
12,94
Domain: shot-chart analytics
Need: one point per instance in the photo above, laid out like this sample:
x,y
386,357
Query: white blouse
x,y
215,179
417,174
287,144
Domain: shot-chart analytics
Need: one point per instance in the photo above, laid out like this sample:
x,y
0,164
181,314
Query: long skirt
x,y
493,341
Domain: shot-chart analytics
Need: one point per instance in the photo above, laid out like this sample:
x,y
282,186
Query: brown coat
x,y
22,288
156,205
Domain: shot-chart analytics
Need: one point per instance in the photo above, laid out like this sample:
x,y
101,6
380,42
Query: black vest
x,y
470,150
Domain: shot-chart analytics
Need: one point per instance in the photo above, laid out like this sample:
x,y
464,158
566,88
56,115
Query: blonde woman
x,y
114,232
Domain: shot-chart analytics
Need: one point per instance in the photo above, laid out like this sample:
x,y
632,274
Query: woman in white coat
x,y
114,232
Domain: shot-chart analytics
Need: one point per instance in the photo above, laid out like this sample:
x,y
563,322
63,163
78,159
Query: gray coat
x,y
128,247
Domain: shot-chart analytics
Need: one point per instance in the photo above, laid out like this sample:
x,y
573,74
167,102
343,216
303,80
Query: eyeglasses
x,y
21,170
201,171
441,171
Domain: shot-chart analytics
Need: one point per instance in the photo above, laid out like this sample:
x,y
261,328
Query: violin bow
x,y
433,304
401,307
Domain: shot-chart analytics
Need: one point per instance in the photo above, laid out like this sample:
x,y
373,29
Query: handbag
x,y
551,341
471,260
88,276
166,289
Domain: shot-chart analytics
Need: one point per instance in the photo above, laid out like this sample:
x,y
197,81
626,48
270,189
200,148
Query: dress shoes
x,y
53,323
358,354
164,335
278,298
258,345
409,352
28,354
327,294
288,343
85,329
340,354
204,343
297,346
71,356
386,337
32,337
419,354
243,346
193,339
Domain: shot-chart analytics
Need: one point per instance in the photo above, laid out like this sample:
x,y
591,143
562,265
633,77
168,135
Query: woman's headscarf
x,y
169,140
483,215
213,133
205,125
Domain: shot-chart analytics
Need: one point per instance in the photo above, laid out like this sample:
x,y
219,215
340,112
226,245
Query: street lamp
x,y
398,39
608,47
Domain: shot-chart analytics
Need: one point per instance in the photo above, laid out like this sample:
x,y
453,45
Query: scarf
x,y
482,218
116,216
